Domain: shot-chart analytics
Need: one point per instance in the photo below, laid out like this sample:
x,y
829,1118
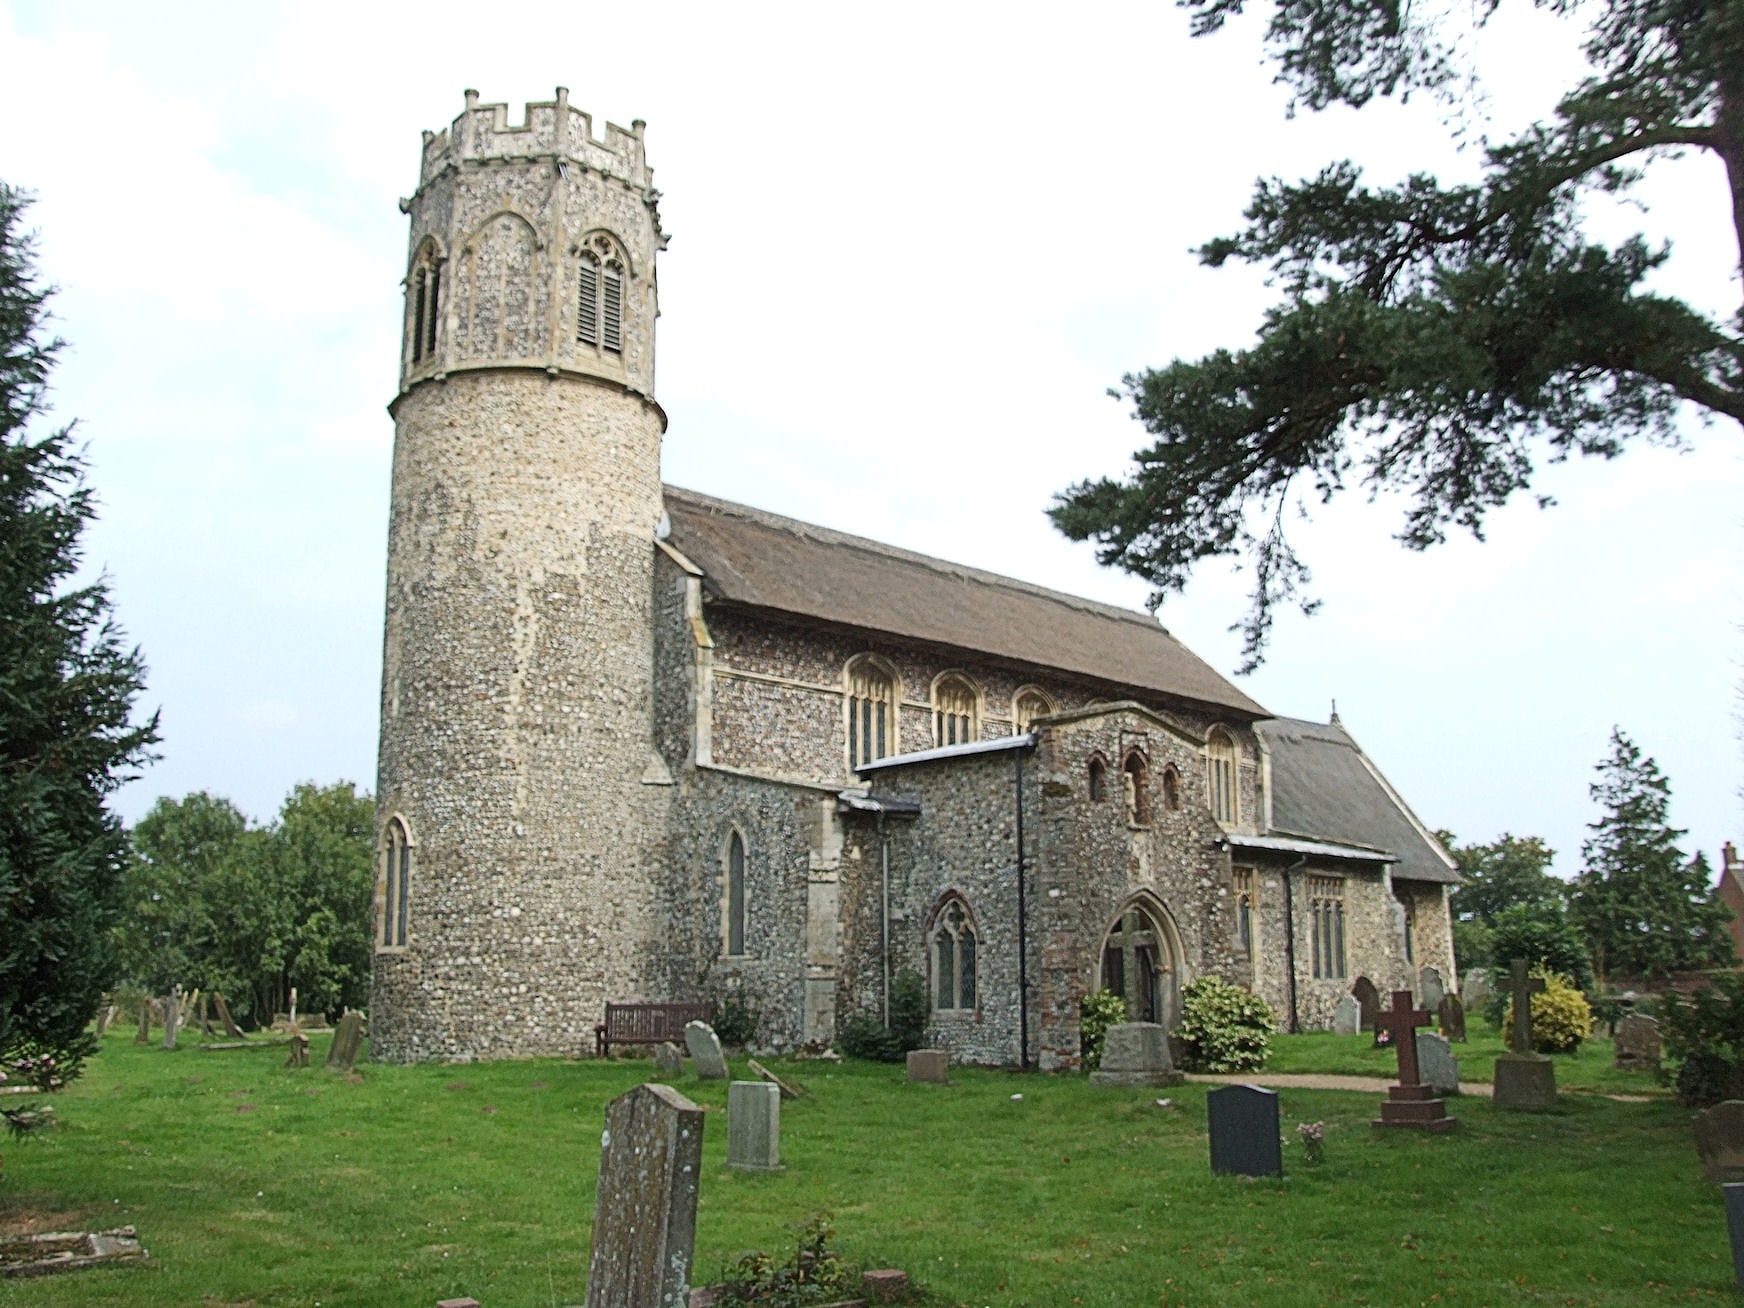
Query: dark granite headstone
x,y
1243,1120
1452,1016
1370,999
1734,1193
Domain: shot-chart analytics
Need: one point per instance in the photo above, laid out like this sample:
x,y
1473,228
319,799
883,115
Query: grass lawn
x,y
253,1184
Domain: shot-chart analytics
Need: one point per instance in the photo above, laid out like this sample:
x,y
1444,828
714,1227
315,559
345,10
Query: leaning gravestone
x,y
704,1047
1436,1063
1452,1017
644,1220
668,1062
1243,1121
1638,1047
1347,1017
1524,1079
754,1126
929,1066
1370,1000
1719,1136
347,1041
789,1090
1136,1054
1430,986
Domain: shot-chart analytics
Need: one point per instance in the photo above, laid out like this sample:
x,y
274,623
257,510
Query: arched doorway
x,y
1140,962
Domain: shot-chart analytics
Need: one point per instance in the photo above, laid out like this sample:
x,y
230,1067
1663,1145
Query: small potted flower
x,y
1313,1137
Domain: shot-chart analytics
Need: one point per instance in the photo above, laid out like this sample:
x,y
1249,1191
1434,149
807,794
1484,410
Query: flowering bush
x,y
1096,1013
1223,1027
1561,1018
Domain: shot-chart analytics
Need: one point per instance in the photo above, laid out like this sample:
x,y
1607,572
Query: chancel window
x,y
1326,908
426,290
396,883
1245,901
735,896
871,712
1135,779
954,958
955,712
1026,706
599,317
1220,776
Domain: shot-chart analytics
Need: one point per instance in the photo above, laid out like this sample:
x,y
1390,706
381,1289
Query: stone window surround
x,y
1244,881
430,258
735,832
1221,752
1171,788
1045,704
1096,777
955,693
935,924
1136,765
605,252
392,918
1329,959
884,668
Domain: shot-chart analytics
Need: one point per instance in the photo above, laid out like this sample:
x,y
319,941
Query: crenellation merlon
x,y
549,129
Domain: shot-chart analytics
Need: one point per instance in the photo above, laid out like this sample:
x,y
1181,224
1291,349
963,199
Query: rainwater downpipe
x,y
884,918
1022,931
1290,939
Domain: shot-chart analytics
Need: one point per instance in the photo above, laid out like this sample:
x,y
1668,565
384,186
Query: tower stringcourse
x,y
520,801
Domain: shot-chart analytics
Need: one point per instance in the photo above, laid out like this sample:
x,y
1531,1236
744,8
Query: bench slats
x,y
647,1024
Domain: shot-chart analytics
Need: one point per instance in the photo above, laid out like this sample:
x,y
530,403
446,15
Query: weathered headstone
x,y
1136,1054
1347,1017
929,1066
1370,1000
789,1089
1475,989
704,1048
172,1011
668,1062
754,1126
1436,1064
299,1056
1734,1193
144,1036
347,1041
1243,1122
644,1223
1452,1017
1638,1047
1431,987
1410,1103
230,1027
105,1015
1524,1079
1719,1136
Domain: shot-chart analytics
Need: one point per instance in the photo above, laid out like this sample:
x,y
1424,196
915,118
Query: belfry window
x,y
1326,902
954,958
1220,777
396,884
955,712
599,313
871,712
735,895
426,304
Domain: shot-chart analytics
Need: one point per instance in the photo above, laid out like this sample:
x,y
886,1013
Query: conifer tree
x,y
1646,910
67,685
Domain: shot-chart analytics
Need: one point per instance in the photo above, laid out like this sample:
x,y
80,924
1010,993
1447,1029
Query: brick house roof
x,y
763,560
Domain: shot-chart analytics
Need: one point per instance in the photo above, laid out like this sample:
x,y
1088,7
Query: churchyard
x,y
253,1183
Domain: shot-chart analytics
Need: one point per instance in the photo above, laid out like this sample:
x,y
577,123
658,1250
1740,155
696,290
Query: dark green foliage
x,y
1543,936
1508,872
815,1274
1704,1041
1471,945
1096,1013
735,1021
864,1036
1223,1027
67,685
1645,909
1440,340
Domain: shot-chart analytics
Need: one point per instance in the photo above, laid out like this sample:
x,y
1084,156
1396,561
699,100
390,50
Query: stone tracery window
x,y
396,884
599,317
1326,902
1026,706
871,711
733,910
424,288
1220,777
956,711
954,957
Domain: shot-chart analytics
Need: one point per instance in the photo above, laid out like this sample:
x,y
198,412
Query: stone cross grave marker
x,y
668,1062
1719,1134
929,1066
1347,1017
754,1126
704,1047
1410,1103
1436,1063
1452,1017
1243,1122
1523,1079
1430,985
644,1220
1638,1047
1523,988
347,1041
1136,1054
1370,1000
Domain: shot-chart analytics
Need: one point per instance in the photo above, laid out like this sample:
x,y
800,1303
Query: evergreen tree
x,y
1509,875
1644,908
67,685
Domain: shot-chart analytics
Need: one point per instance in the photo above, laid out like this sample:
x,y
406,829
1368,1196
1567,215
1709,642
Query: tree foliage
x,y
1504,873
1645,909
68,680
1438,339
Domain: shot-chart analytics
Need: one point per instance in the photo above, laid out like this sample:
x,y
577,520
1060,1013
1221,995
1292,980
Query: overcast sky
x,y
912,248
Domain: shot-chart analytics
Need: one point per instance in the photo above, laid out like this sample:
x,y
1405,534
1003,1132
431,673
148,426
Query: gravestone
x,y
230,1027
929,1066
1734,1195
105,1016
1370,1000
1410,1103
1347,1017
644,1220
1436,1065
789,1089
1719,1136
1452,1017
172,1011
1475,989
704,1047
754,1126
1243,1122
668,1062
1136,1054
1430,986
1639,1047
299,1056
347,1041
1524,1079
144,1036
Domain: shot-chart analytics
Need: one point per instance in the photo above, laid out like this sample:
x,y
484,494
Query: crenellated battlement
x,y
550,129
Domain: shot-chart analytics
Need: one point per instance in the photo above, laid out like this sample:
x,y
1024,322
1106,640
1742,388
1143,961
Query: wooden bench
x,y
647,1024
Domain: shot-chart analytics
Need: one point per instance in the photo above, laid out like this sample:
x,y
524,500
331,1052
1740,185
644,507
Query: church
x,y
639,743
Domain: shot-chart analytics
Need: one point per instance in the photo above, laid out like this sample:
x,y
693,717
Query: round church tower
x,y
518,796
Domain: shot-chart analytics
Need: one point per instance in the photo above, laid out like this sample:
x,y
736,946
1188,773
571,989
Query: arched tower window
x,y
954,957
871,711
733,913
1220,777
956,711
424,288
1098,778
396,883
1028,705
599,318
1135,778
1171,789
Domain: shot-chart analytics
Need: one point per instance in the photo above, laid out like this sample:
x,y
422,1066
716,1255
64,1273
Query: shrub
x,y
1704,1041
735,1021
1561,1018
864,1036
1223,1027
1541,935
1096,1013
815,1274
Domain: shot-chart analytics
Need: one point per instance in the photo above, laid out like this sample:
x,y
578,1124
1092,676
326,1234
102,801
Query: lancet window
x,y
1220,776
734,914
1136,779
426,289
396,883
954,957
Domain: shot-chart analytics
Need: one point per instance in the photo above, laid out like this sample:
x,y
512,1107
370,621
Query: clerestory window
x,y
1026,706
956,712
871,711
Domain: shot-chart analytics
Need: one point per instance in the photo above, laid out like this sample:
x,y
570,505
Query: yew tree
x,y
1435,338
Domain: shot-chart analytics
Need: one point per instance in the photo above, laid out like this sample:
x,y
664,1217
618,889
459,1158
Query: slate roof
x,y
1325,788
767,561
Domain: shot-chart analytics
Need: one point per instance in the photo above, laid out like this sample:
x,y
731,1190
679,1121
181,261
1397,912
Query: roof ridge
x,y
834,536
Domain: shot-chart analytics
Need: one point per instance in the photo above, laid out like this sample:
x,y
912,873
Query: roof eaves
x,y
947,752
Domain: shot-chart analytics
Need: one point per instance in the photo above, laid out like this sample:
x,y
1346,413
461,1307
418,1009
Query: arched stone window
x,y
1171,789
956,711
1408,909
424,296
1098,778
954,957
396,883
733,895
1220,777
1135,779
599,315
1027,705
871,700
